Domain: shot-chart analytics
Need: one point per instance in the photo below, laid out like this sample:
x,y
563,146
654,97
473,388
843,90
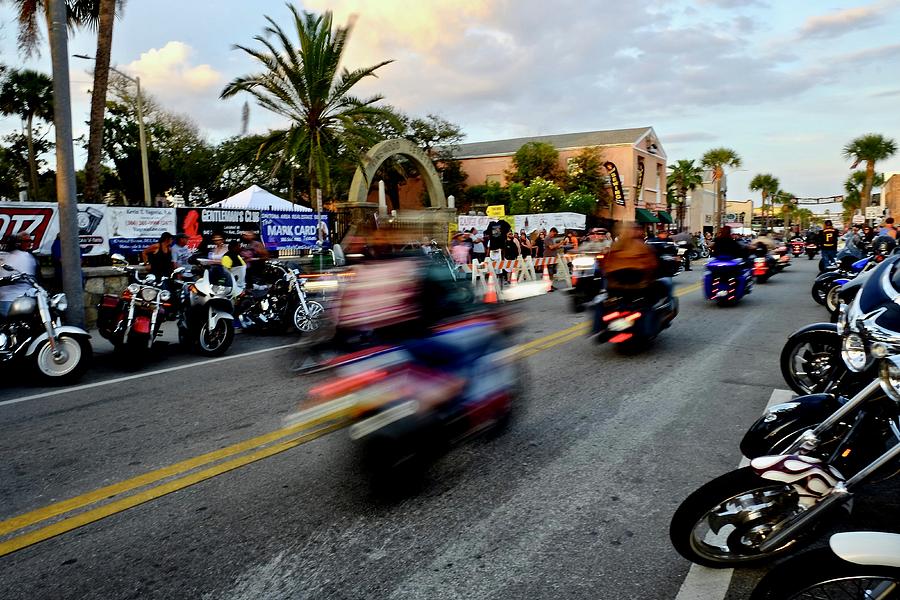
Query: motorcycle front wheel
x,y
811,360
72,360
215,341
305,321
722,524
822,574
832,299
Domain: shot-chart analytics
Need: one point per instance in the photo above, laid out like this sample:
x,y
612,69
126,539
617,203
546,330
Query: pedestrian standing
x,y
477,245
539,244
181,253
828,239
888,228
552,245
525,242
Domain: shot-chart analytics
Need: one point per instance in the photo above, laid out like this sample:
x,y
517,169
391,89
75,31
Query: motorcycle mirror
x,y
178,271
150,279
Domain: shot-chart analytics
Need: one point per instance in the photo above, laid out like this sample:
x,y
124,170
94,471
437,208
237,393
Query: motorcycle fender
x,y
841,281
811,478
873,548
216,315
141,324
67,329
803,412
826,327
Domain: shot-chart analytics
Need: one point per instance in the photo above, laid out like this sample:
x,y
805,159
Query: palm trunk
x,y
717,212
98,100
865,197
32,159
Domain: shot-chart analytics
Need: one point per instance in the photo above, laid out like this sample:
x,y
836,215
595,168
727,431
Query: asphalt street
x,y
573,501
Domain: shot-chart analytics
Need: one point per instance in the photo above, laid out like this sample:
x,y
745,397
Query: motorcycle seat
x,y
454,346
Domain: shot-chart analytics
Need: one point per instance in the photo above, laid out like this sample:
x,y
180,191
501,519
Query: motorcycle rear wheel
x,y
821,574
810,361
70,366
722,523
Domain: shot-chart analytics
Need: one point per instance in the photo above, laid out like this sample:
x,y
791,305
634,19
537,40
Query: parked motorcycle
x,y
134,319
727,280
757,512
846,269
280,303
33,330
206,315
409,404
632,318
863,565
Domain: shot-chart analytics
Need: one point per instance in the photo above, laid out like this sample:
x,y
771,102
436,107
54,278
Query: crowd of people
x,y
245,257
500,242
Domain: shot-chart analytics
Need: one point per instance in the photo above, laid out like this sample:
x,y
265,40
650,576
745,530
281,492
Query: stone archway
x,y
359,187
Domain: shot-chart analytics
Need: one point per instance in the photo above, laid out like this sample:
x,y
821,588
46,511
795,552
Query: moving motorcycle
x,y
798,247
206,315
860,564
812,249
410,403
631,316
764,264
587,274
134,319
33,330
727,280
281,303
825,447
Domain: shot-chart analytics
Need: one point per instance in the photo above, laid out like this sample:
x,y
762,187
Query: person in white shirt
x,y
19,257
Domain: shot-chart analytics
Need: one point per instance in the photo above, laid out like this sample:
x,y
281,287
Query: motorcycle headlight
x,y
59,302
842,320
890,377
853,351
148,294
221,290
165,295
583,262
134,288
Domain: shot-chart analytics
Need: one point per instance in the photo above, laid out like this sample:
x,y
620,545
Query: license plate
x,y
620,325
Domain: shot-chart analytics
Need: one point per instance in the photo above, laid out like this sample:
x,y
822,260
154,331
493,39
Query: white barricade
x,y
529,283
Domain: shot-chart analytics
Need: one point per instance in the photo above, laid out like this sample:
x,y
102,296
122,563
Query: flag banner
x,y
616,182
823,200
290,230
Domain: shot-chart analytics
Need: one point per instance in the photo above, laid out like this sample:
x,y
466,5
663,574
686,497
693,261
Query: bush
x,y
542,196
580,202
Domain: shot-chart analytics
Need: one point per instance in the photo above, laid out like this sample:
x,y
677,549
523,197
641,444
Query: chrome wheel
x,y
310,319
61,363
832,301
215,340
812,365
851,588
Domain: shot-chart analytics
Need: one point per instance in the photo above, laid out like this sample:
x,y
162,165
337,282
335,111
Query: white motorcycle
x,y
206,316
862,565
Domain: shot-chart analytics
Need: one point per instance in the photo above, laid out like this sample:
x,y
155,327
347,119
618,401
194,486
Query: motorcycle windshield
x,y
874,293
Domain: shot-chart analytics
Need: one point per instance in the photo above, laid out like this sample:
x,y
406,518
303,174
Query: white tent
x,y
256,198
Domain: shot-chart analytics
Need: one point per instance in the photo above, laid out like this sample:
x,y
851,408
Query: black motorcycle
x,y
33,331
281,303
810,454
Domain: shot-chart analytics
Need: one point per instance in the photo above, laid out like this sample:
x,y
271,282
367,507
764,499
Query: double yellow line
x,y
314,423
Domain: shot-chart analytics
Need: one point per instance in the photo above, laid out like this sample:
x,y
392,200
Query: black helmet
x,y
883,245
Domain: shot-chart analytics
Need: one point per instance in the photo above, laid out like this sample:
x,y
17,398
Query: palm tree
x,y
853,187
30,12
869,148
684,175
767,185
788,208
301,82
717,160
29,95
804,217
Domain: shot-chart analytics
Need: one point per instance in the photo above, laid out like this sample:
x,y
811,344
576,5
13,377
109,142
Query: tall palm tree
x,y
853,187
767,185
29,95
684,175
717,160
869,148
30,13
301,82
788,208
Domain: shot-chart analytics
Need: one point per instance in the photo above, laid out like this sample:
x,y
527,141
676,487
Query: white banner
x,y
40,219
92,229
140,222
561,220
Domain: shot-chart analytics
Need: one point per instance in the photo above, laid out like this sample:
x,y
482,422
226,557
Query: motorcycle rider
x,y
684,236
828,239
18,256
630,254
724,245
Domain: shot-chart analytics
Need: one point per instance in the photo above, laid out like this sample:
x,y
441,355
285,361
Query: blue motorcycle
x,y
727,280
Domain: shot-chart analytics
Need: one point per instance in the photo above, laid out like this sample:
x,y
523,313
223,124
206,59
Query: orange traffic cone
x,y
546,278
490,296
513,278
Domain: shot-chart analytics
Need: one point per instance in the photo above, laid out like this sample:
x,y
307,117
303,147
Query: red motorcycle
x,y
798,247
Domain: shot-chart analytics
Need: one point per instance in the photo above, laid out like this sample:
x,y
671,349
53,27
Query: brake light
x,y
611,316
620,338
633,317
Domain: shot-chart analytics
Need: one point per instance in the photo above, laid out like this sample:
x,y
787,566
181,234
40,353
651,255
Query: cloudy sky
x,y
785,84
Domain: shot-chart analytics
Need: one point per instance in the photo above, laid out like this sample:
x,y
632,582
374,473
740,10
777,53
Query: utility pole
x,y
70,248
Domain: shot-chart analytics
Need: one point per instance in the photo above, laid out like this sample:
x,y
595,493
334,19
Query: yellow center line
x,y
263,445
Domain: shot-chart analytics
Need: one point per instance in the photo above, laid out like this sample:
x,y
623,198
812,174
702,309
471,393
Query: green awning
x,y
665,217
645,216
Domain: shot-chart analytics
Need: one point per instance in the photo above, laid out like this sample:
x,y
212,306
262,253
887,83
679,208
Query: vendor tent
x,y
256,198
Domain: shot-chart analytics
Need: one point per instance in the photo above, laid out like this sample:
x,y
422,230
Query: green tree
x,y
300,81
535,160
684,175
580,202
717,160
870,149
788,208
29,95
543,196
585,172
767,185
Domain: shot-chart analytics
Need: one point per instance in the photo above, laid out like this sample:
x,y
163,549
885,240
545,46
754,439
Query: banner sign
x,y
292,230
640,178
481,222
39,219
560,220
824,200
134,228
616,182
93,229
497,210
199,223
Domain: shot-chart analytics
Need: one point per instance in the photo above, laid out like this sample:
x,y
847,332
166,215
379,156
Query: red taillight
x,y
346,385
611,316
878,258
620,338
126,295
633,317
141,324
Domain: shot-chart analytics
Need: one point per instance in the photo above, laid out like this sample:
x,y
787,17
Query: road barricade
x,y
522,269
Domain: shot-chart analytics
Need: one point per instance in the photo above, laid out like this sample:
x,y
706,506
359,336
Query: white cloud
x,y
839,22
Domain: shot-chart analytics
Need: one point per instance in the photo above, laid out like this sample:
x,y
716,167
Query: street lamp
x,y
140,116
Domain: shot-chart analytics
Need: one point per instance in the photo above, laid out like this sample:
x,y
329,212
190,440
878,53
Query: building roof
x,y
561,141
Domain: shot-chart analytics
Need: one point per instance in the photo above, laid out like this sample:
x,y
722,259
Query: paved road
x,y
572,502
